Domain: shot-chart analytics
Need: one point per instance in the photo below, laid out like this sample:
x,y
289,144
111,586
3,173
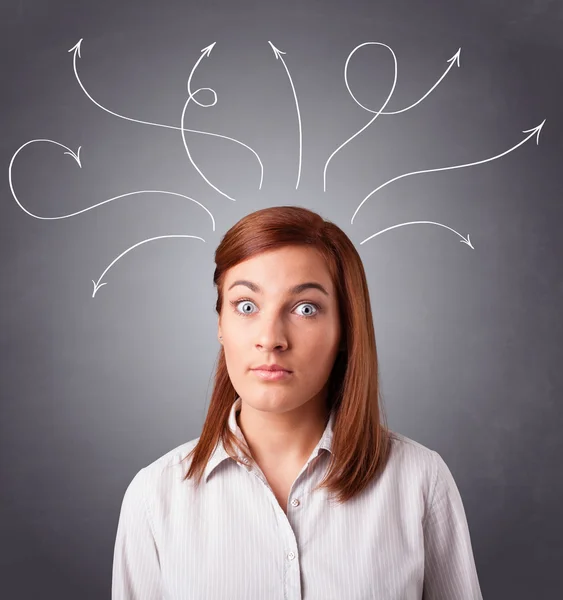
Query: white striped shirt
x,y
405,537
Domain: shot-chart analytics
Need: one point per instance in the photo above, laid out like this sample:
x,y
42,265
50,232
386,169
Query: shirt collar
x,y
220,454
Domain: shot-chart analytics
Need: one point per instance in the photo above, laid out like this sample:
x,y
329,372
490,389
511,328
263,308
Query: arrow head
x,y
96,287
468,242
207,49
455,57
76,47
277,52
536,130
75,156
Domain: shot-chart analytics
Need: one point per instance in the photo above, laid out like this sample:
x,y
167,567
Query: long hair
x,y
361,439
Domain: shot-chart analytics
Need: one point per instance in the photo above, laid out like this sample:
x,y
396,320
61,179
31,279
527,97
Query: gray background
x,y
470,341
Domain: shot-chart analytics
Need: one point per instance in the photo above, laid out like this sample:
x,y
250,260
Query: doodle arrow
x,y
205,52
76,49
76,157
454,60
98,285
463,239
533,132
376,114
278,54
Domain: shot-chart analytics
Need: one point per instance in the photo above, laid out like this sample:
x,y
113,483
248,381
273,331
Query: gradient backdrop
x,y
470,340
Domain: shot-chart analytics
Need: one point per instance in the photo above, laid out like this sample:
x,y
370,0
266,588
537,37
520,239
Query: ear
x,y
219,333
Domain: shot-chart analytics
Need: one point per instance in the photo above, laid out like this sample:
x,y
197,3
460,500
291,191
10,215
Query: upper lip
x,y
272,367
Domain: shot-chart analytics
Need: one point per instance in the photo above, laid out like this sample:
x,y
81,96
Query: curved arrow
x,y
98,285
76,50
378,112
77,159
533,132
453,60
278,54
463,240
204,52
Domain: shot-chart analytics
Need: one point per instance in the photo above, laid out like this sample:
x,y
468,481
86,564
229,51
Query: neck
x,y
285,438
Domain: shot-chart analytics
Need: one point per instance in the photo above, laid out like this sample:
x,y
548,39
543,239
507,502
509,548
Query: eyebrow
x,y
293,291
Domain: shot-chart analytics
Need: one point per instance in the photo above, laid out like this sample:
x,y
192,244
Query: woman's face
x,y
271,324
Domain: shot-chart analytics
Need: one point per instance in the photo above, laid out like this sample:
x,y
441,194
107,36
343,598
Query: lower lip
x,y
272,375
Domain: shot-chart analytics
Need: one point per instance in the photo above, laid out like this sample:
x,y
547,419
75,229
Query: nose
x,y
271,335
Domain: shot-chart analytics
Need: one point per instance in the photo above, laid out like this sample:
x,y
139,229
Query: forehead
x,y
279,268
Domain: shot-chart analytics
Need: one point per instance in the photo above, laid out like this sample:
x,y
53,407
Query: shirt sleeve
x,y
449,565
136,565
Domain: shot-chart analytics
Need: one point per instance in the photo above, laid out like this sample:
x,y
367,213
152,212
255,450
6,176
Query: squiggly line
x,y
192,96
76,50
77,159
453,60
378,112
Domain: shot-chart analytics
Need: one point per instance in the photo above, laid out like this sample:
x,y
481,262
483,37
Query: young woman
x,y
295,489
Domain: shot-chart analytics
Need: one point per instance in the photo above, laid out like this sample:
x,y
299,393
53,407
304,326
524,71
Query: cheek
x,y
322,335
235,336
234,345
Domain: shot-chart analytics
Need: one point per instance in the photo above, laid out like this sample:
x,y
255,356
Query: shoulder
x,y
163,475
171,458
423,467
404,448
171,465
413,463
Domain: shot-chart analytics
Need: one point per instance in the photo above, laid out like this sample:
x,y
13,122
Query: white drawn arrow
x,y
77,159
533,132
204,52
377,113
278,54
98,285
453,60
76,50
463,240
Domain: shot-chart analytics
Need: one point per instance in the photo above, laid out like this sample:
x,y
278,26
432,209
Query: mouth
x,y
275,375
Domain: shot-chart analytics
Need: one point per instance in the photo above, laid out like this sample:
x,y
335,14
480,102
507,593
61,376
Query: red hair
x,y
361,439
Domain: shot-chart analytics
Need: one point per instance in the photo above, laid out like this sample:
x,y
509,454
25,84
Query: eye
x,y
245,313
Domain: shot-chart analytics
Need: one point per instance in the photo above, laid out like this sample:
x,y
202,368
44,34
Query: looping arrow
x,y
377,113
76,157
453,60
192,96
76,49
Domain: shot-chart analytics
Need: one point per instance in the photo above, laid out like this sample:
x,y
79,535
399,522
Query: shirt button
x,y
291,556
295,502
